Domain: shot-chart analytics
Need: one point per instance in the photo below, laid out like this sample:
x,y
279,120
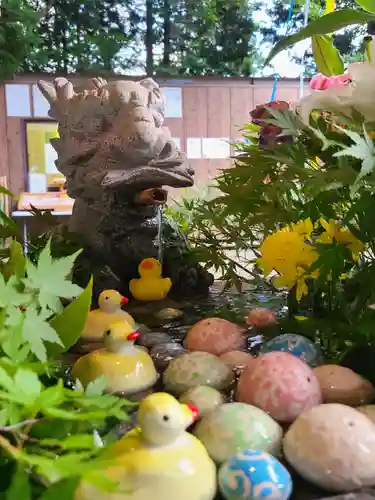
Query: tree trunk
x,y
167,34
149,39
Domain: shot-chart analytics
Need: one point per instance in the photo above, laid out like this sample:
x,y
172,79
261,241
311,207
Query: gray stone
x,y
155,338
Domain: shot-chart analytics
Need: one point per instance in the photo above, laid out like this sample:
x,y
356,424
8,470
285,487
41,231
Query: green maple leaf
x,y
326,143
10,294
35,330
286,120
13,343
49,279
362,149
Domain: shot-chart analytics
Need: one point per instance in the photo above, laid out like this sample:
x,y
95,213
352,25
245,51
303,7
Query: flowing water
x,y
159,236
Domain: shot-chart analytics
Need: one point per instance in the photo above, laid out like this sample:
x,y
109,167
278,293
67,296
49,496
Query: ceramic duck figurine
x,y
150,285
109,311
128,369
158,461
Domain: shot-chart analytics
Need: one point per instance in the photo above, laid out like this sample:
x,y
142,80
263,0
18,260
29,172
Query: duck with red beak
x,y
109,311
159,460
128,369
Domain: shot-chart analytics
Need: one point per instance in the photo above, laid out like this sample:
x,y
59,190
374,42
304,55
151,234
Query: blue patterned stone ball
x,y
298,345
254,475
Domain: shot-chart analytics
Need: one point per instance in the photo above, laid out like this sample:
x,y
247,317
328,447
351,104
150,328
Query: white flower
x,y
359,95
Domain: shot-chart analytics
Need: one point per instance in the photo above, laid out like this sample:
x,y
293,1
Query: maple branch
x,y
9,428
6,445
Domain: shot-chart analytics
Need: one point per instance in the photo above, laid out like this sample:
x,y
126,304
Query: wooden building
x,y
203,114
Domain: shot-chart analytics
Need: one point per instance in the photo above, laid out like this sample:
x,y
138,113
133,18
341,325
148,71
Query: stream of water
x,y
159,236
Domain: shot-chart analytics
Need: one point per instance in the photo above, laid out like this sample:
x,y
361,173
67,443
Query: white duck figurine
x,y
109,311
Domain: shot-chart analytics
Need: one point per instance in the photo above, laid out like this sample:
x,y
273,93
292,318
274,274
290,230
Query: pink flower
x,y
321,82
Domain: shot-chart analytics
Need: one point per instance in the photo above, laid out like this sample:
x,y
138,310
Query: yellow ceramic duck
x,y
128,369
150,285
158,461
109,311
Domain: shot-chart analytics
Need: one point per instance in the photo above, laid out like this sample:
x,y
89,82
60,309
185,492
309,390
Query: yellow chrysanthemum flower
x,y
287,252
303,228
334,232
278,250
295,277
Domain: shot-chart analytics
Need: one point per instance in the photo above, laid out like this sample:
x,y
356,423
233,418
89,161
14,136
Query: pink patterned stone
x,y
215,335
280,384
261,317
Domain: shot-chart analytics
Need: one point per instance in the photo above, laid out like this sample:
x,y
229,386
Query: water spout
x,y
159,236
153,196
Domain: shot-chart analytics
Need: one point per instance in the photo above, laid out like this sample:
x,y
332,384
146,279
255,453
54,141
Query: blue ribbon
x,y
275,79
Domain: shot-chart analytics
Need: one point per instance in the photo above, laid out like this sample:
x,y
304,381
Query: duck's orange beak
x,y
194,411
124,301
133,336
147,264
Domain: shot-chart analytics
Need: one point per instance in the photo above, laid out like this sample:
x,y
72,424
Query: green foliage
x,y
70,322
30,297
368,5
347,41
322,171
327,57
48,433
18,38
81,37
182,37
204,37
334,21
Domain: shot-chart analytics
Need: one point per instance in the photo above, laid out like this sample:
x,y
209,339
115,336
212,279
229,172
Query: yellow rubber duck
x,y
150,285
128,369
109,311
158,461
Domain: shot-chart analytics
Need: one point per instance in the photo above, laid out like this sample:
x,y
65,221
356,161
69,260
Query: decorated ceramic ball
x,y
332,446
261,317
236,359
368,410
298,345
197,368
254,475
233,427
280,384
342,385
215,335
204,398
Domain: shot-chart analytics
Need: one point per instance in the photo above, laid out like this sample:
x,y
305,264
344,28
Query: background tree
x,y
177,37
18,23
209,37
77,36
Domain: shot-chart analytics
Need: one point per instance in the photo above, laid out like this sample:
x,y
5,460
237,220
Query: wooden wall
x,y
211,108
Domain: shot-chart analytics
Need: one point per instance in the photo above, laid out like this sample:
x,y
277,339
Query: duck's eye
x,y
106,298
165,418
107,332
